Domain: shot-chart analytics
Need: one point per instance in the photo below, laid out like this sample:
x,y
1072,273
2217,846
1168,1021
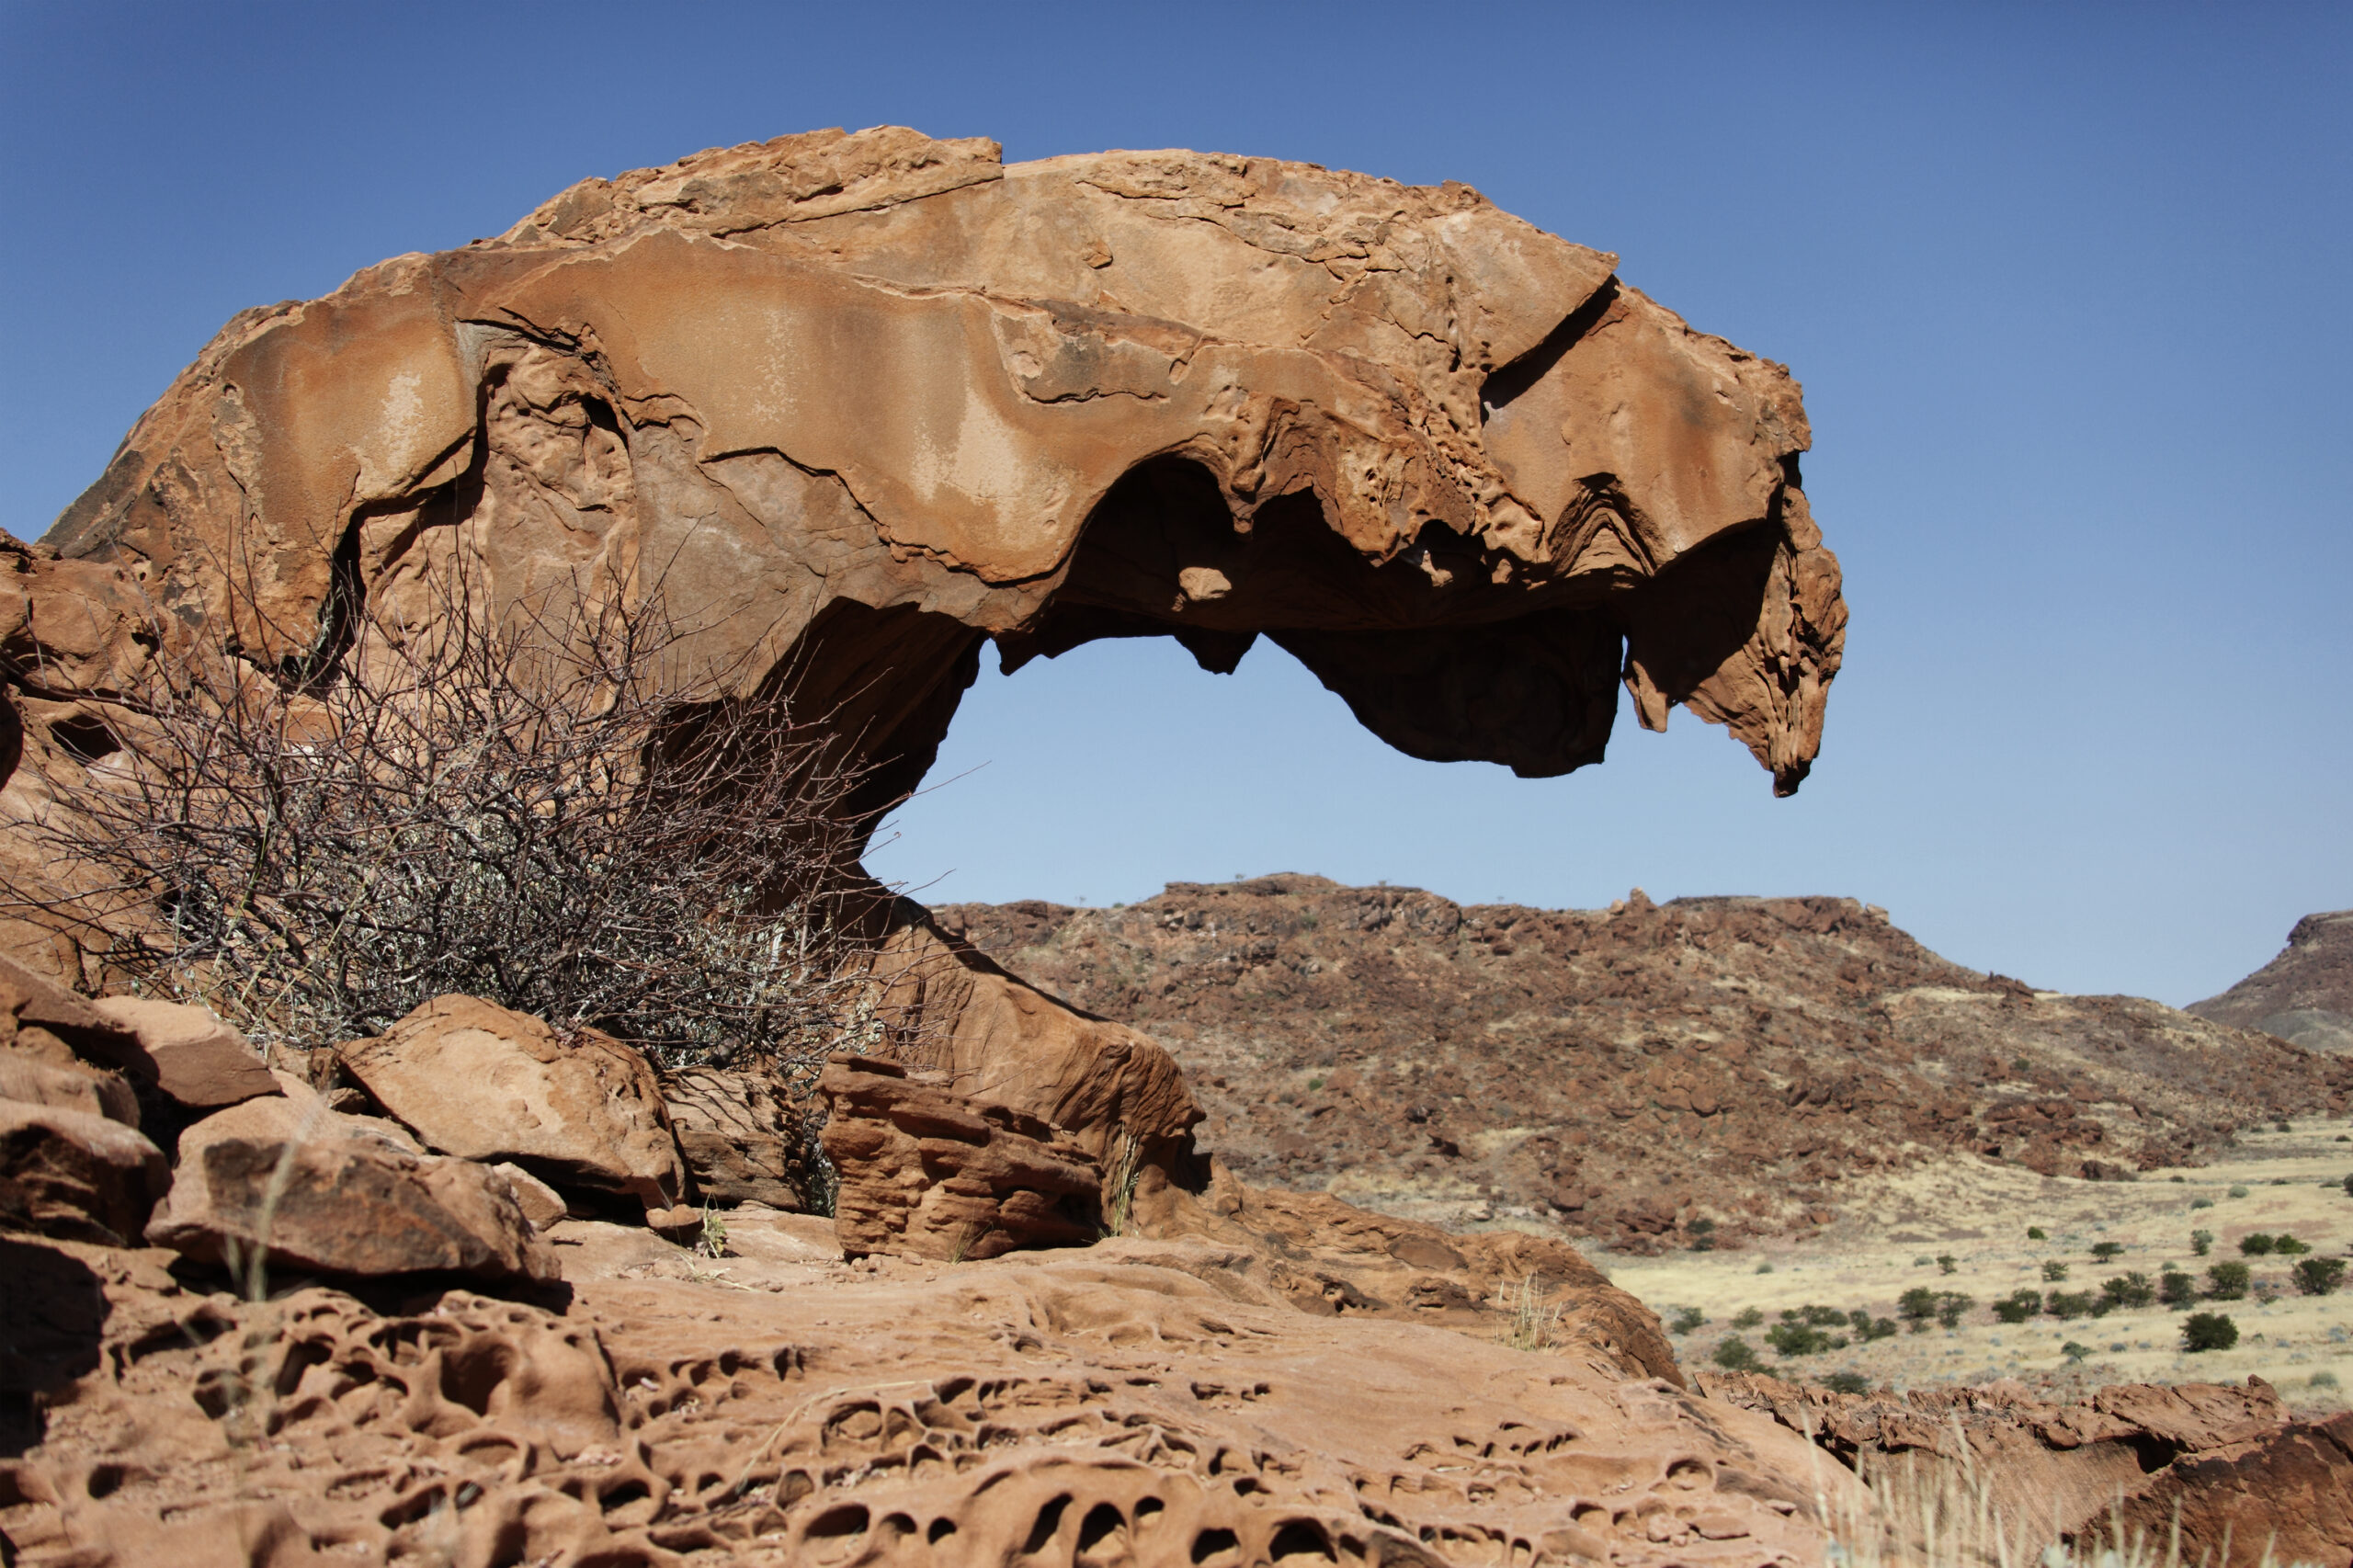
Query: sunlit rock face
x,y
866,401
854,405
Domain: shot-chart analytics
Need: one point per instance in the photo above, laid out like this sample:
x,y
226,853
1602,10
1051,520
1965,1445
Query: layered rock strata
x,y
929,1173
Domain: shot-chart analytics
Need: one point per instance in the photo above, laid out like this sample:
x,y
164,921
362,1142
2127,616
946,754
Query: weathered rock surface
x,y
74,1174
2304,995
926,1171
877,400
542,1205
1406,1052
742,1143
2228,1462
1140,1401
474,1079
320,1191
42,1021
200,1062
86,1089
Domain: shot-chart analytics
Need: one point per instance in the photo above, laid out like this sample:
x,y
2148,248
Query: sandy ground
x,y
1978,1212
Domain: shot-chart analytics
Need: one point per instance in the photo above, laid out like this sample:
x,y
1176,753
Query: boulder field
x,y
484,1291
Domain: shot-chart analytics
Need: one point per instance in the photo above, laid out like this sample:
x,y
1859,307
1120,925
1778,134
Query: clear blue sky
x,y
2067,289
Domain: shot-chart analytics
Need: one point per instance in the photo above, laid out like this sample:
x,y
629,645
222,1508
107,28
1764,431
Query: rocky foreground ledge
x,y
450,1357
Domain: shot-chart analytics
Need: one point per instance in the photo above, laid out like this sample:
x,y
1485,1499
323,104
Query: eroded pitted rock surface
x,y
1139,1401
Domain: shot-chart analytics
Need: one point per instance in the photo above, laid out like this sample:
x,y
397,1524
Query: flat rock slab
x,y
200,1060
474,1079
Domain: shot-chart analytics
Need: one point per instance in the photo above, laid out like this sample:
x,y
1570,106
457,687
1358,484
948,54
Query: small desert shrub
x,y
1764,1268
1736,1354
2127,1293
2176,1289
2227,1282
2201,1242
2283,1127
2018,1306
1747,1317
2238,1191
1868,1328
2068,1305
2256,1244
1532,1318
2207,1331
2285,1245
1703,1234
2201,1202
1797,1337
1916,1306
2074,1351
1922,1261
2037,1233
2319,1276
2349,1186
1947,1263
1685,1320
1950,1305
557,810
1846,1382
2054,1273
2322,1380
2104,1252
1814,1316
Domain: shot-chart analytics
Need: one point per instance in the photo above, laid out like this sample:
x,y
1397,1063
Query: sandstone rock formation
x,y
2304,995
41,1022
198,1061
2226,1465
742,1142
861,403
1421,1053
1139,1401
68,1173
321,1192
926,1171
476,1080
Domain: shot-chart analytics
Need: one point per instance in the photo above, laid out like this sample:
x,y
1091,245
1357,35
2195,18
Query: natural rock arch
x,y
867,402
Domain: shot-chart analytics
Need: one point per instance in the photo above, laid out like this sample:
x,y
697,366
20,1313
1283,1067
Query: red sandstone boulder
x,y
472,1079
740,1141
316,1190
78,1088
198,1061
71,1174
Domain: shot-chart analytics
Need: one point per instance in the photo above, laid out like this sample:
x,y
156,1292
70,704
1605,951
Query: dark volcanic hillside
x,y
1646,1074
2306,994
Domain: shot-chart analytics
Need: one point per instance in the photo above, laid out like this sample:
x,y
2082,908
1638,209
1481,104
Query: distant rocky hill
x,y
2306,994
1651,1074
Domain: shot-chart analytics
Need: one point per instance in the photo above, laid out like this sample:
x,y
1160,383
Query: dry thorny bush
x,y
550,808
